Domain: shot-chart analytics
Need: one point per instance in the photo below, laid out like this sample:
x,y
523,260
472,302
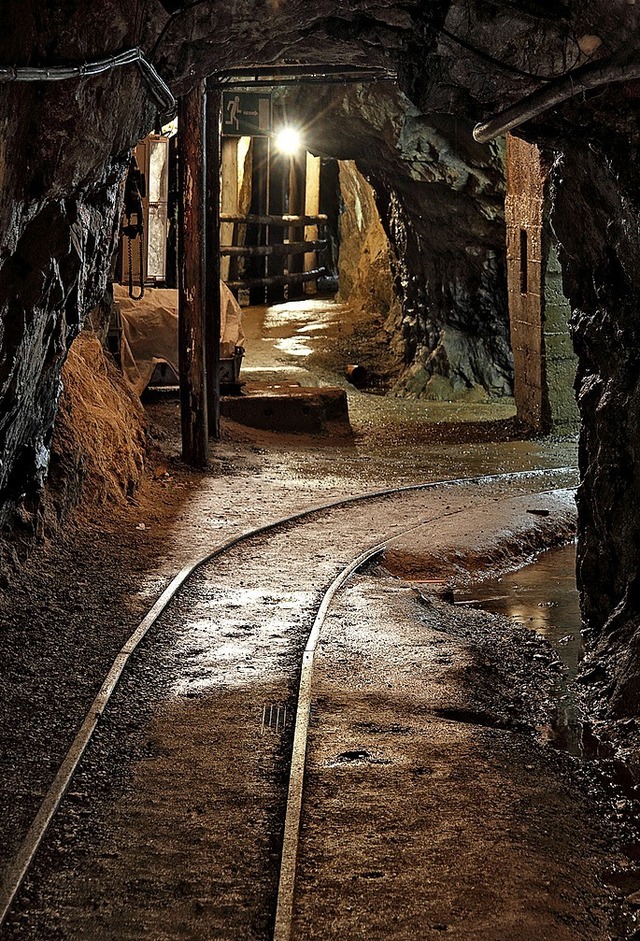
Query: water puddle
x,y
543,596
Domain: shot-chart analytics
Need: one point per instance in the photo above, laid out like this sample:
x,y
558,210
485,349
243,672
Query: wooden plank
x,y
229,194
298,278
282,248
191,281
284,221
278,167
256,232
311,207
212,217
297,186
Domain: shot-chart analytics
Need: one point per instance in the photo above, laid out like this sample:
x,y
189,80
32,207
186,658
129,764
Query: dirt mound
x,y
98,448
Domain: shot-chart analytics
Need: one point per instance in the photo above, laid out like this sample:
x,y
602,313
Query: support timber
x,y
192,280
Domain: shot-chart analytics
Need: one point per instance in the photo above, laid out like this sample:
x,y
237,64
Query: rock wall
x,y
365,273
440,198
597,219
365,277
63,154
64,150
97,453
446,221
561,362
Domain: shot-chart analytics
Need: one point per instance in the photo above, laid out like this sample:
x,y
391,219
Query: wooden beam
x,y
297,186
212,298
229,195
299,278
282,221
257,235
278,167
312,207
191,280
282,248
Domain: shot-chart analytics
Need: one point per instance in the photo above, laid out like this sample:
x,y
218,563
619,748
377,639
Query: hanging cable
x,y
133,229
158,88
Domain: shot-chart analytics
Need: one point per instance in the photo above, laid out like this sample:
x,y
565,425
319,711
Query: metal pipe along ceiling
x,y
162,94
583,80
288,74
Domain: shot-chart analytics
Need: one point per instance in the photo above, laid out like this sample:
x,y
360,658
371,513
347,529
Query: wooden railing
x,y
267,246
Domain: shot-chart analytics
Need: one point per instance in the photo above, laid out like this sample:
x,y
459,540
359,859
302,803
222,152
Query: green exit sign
x,y
246,114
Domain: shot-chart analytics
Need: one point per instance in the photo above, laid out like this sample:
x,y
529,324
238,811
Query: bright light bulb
x,y
288,140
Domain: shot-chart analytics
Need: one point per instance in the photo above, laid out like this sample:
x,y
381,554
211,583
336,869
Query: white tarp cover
x,y
150,330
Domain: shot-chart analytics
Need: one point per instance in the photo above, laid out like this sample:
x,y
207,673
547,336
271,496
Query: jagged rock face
x,y
372,310
365,260
63,149
490,53
597,218
446,220
55,274
440,197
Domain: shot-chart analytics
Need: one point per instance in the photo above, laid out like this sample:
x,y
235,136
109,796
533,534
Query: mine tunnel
x,y
319,398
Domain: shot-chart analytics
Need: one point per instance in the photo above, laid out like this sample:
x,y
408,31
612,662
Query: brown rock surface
x,y
65,149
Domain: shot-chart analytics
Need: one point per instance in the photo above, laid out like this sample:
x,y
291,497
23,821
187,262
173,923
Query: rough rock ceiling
x,y
63,152
441,198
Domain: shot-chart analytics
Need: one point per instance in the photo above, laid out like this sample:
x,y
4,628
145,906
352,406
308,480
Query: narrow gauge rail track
x,y
59,786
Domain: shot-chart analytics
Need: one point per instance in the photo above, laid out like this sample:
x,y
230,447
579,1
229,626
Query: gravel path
x,y
172,826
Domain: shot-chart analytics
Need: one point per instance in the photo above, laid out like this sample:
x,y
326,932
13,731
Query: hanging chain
x,y
135,297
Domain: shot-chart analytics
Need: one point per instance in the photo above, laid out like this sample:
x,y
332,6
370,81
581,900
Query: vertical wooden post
x,y
312,208
213,110
256,235
278,168
297,187
229,197
191,280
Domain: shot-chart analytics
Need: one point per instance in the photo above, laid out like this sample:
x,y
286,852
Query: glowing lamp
x,y
288,140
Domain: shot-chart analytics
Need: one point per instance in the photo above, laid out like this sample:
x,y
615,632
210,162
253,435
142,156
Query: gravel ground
x,y
172,827
183,781
433,807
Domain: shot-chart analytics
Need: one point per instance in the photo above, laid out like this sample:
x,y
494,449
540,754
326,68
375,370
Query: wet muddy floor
x,y
437,806
543,597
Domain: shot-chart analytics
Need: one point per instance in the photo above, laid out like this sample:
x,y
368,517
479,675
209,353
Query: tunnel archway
x,y
61,202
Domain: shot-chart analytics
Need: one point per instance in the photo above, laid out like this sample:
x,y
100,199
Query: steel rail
x,y
293,814
291,838
17,871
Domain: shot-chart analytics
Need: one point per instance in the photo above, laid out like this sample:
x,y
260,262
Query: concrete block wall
x,y
524,216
